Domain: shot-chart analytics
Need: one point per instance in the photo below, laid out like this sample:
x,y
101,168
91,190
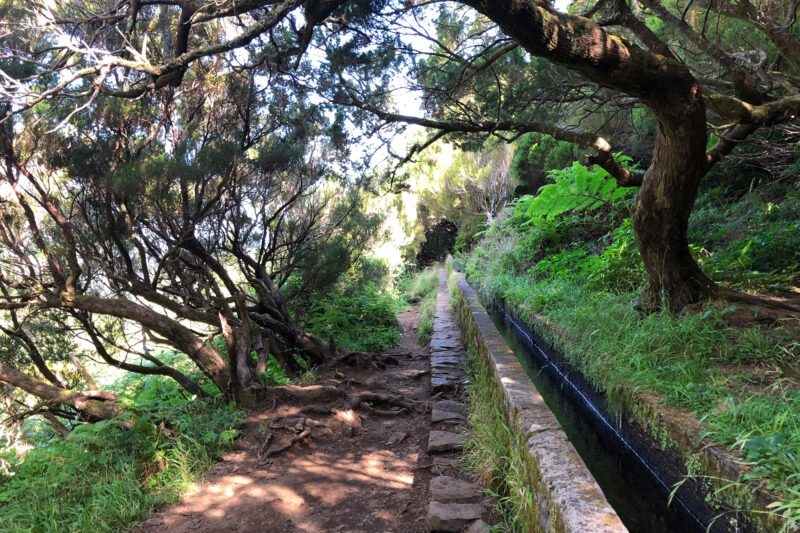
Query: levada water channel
x,y
637,478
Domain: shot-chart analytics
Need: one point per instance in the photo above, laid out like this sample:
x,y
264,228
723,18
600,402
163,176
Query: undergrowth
x,y
104,477
752,242
359,312
362,318
422,289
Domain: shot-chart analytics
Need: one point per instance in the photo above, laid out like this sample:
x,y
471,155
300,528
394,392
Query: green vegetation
x,y
206,179
492,451
359,311
361,318
579,269
119,473
750,242
107,477
471,190
423,286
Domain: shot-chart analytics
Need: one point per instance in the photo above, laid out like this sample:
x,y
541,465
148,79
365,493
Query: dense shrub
x,y
359,311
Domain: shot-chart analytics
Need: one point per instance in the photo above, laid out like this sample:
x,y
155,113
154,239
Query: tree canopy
x,y
176,163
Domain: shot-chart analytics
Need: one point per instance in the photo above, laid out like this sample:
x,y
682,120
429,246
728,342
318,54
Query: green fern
x,y
575,188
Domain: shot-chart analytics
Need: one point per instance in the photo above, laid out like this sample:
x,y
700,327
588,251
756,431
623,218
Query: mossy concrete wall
x,y
568,499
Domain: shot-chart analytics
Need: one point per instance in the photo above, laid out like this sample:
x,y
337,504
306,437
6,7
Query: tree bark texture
x,y
660,214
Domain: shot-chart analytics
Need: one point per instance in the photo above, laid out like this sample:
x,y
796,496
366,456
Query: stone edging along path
x,y
568,499
455,504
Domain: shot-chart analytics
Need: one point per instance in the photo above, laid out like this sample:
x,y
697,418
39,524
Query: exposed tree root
x,y
350,382
758,300
282,448
283,422
292,394
337,412
382,412
317,409
429,403
363,360
366,401
265,445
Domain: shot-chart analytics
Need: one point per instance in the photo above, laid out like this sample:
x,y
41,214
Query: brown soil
x,y
748,310
338,477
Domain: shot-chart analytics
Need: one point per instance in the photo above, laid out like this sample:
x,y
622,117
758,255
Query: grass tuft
x,y
493,453
423,288
117,476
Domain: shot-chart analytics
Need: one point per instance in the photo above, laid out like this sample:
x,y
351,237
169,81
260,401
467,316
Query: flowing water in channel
x,y
632,486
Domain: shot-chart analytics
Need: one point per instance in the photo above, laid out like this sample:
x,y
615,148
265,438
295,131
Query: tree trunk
x,y
180,337
313,347
242,386
160,369
95,404
660,215
33,351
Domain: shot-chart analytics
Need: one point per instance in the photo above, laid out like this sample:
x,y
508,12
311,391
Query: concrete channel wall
x,y
568,499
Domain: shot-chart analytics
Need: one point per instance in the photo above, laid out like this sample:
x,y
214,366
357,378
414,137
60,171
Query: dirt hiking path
x,y
341,472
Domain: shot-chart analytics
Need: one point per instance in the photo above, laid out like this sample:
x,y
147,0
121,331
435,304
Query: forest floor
x,y
342,472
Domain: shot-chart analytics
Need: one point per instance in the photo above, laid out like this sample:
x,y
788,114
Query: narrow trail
x,y
339,477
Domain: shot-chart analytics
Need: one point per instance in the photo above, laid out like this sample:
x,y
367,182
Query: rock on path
x,y
444,441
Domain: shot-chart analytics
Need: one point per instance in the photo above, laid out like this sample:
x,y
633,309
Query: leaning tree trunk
x,y
660,215
177,335
95,405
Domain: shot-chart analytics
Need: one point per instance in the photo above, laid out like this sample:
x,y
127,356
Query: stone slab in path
x,y
478,526
444,441
440,415
445,366
446,351
451,517
450,489
446,360
445,344
451,405
445,382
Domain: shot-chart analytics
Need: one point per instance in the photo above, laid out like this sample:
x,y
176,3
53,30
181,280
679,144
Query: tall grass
x,y
694,360
492,451
423,289
423,283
